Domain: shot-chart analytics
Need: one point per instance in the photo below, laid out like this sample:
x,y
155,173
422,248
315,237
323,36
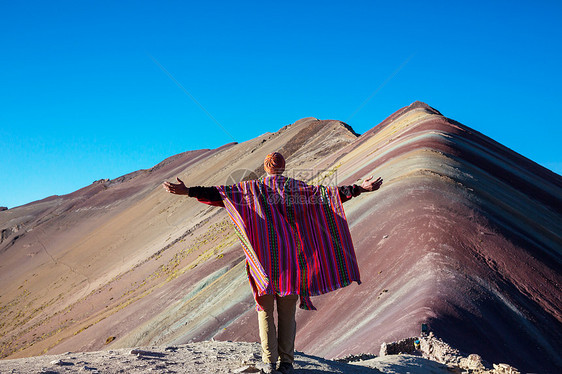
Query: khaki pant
x,y
281,345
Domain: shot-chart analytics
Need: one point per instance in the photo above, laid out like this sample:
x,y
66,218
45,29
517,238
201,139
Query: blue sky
x,y
83,97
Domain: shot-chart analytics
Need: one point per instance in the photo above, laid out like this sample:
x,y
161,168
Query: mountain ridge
x,y
457,238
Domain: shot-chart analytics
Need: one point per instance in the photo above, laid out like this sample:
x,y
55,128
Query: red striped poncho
x,y
295,237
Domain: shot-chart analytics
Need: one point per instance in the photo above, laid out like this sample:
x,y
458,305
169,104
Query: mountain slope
x,y
464,235
117,247
467,240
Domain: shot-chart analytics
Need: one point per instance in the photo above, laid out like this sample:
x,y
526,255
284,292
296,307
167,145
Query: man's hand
x,y
369,185
176,188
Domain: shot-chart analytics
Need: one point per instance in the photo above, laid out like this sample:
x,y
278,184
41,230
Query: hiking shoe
x,y
285,368
267,368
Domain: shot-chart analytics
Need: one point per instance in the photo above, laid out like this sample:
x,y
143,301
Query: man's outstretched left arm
x,y
368,185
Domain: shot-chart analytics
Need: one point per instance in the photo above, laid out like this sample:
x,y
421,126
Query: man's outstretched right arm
x,y
206,195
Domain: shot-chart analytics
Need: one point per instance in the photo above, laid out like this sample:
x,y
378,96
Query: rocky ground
x,y
432,356
204,357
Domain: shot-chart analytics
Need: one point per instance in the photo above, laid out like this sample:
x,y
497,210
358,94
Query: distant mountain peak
x,y
421,105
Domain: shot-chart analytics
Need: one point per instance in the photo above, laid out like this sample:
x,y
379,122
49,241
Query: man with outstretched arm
x,y
297,243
